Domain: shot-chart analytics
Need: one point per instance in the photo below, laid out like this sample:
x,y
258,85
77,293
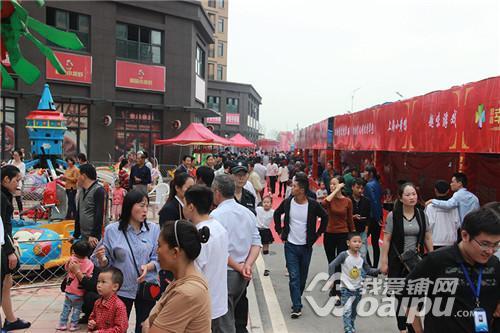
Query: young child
x,y
118,195
321,193
74,292
354,268
264,219
109,313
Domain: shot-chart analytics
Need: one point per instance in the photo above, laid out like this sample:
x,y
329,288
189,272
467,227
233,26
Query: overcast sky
x,y
305,58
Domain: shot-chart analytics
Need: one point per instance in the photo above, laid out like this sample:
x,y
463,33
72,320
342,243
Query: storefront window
x,y
7,126
136,130
76,136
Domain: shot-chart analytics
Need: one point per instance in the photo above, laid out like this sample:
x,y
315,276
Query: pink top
x,y
118,195
73,285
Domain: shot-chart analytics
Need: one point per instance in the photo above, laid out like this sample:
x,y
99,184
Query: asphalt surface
x,y
274,304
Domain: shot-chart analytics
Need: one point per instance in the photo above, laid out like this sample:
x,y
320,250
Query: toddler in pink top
x,y
80,251
118,195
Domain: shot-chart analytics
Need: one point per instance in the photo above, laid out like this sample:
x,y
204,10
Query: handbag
x,y
17,252
410,258
148,291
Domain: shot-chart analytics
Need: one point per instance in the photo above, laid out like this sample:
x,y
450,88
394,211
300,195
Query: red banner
x,y
461,119
139,76
232,118
78,68
213,120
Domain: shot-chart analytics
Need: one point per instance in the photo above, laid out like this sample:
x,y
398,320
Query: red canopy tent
x,y
195,134
241,142
268,144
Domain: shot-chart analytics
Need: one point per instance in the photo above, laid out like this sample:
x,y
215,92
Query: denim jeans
x,y
71,302
364,248
350,300
298,258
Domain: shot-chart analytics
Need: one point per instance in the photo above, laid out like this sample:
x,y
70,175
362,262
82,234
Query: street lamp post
x,y
352,98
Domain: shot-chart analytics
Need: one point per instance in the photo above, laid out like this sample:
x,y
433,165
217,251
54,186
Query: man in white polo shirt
x,y
212,261
244,248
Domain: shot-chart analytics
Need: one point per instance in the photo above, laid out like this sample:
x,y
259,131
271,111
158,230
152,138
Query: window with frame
x,y
71,22
200,62
211,17
220,49
7,126
221,3
211,51
77,121
211,3
220,25
213,102
211,71
232,105
220,72
139,43
136,130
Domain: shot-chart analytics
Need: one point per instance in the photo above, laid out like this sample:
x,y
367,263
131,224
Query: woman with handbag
x,y
11,176
130,245
185,305
406,235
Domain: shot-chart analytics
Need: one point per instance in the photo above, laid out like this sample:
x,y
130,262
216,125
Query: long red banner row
x,y
461,119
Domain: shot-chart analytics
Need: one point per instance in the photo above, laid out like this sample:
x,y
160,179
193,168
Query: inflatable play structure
x,y
41,230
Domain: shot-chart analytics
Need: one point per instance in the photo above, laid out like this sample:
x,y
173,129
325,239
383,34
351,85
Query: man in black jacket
x,y
474,273
360,212
91,206
298,231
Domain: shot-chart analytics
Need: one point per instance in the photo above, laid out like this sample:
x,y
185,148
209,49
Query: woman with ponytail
x,y
185,305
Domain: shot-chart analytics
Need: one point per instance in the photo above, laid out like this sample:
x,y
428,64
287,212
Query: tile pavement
x,y
42,307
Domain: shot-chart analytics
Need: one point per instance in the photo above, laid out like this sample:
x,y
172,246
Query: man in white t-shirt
x,y
298,231
212,261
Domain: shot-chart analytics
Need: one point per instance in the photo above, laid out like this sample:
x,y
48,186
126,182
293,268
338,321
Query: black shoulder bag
x,y
411,258
148,291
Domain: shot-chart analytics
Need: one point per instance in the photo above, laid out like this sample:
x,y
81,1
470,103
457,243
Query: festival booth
x,y
268,144
239,141
312,143
197,135
429,137
287,142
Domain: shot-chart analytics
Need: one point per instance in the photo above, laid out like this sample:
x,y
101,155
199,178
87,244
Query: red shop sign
x,y
213,120
78,68
232,118
139,76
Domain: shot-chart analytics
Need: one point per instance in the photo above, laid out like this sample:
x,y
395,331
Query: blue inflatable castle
x,y
46,127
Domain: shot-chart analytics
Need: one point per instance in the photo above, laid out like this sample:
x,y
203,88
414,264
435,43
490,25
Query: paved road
x,y
273,300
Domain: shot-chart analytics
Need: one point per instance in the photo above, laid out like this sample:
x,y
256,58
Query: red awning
x,y
195,135
240,141
268,144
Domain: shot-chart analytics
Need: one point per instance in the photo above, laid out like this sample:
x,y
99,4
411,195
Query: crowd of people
x,y
190,271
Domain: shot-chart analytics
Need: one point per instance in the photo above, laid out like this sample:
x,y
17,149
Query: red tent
x,y
240,141
268,144
195,134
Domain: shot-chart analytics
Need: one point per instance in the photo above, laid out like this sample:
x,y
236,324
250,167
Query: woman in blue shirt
x,y
114,250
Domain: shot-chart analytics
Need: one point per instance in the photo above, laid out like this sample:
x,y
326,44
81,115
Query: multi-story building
x,y
217,11
238,104
144,66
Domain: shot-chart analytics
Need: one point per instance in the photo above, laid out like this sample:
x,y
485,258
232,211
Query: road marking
x,y
277,321
255,320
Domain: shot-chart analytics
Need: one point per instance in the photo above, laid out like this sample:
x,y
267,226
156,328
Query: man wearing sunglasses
x,y
476,271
